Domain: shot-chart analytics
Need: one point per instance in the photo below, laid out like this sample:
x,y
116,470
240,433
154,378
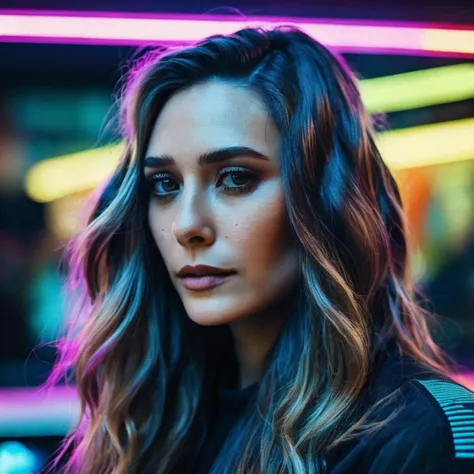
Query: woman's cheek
x,y
260,233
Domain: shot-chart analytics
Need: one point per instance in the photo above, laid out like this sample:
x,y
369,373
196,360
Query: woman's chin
x,y
213,314
211,319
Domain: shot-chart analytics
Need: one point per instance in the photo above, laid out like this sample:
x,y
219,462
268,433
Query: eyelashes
x,y
229,181
162,184
235,180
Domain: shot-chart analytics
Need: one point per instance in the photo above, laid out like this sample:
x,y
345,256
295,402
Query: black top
x,y
432,434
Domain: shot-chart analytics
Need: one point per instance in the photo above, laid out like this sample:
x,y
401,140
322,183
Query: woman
x,y
246,305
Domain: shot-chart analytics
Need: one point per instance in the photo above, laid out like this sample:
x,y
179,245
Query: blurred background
x,y
57,99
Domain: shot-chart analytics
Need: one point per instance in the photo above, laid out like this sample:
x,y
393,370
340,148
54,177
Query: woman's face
x,y
216,199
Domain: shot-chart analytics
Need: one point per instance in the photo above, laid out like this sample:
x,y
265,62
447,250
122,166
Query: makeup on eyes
x,y
231,180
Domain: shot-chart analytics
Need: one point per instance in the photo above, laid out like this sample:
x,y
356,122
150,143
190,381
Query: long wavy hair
x,y
146,373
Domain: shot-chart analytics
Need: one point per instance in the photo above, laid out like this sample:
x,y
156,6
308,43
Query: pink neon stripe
x,y
27,411
217,17
28,400
133,29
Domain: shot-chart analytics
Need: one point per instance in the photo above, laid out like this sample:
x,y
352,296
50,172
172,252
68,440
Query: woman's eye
x,y
228,180
164,185
236,180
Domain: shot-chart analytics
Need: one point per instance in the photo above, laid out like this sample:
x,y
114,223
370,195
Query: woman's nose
x,y
192,224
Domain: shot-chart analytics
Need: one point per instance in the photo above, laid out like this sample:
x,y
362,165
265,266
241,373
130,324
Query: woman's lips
x,y
204,282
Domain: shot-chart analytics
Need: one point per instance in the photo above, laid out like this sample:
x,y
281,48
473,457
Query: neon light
x,y
406,148
29,412
15,457
428,145
418,89
126,28
57,177
442,40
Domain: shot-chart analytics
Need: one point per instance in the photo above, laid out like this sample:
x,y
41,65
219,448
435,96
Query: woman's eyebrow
x,y
213,156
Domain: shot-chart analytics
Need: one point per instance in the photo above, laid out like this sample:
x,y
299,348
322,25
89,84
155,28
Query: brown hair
x,y
144,371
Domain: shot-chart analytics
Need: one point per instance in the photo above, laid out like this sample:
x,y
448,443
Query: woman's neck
x,y
254,337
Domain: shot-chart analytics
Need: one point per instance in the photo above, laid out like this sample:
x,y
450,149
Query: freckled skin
x,y
202,224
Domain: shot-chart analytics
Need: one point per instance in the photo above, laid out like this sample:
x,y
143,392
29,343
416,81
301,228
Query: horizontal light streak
x,y
129,29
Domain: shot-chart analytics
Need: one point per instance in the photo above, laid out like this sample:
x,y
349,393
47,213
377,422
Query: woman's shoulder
x,y
431,431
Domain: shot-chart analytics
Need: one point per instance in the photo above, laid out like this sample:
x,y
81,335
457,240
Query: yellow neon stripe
x,y
384,94
457,41
428,145
57,177
419,88
407,148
